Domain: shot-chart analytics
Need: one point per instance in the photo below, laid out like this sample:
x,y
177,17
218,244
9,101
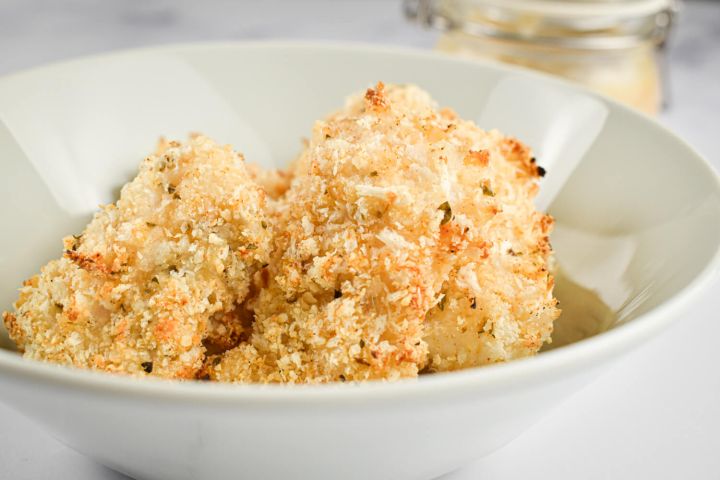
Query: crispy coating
x,y
154,276
274,181
356,262
401,211
402,240
497,302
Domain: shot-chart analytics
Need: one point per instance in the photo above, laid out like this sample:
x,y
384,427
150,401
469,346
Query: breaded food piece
x,y
155,275
497,302
396,157
356,262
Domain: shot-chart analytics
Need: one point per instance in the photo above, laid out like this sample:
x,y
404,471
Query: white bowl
x,y
638,216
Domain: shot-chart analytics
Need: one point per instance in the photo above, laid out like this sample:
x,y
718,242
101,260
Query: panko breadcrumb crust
x,y
156,276
356,261
402,240
407,241
275,182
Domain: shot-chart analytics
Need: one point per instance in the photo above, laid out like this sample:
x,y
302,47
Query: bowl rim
x,y
541,368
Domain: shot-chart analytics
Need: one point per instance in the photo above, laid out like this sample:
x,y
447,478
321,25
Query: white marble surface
x,y
656,415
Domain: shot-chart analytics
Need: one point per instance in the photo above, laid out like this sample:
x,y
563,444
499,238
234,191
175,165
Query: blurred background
x,y
661,56
658,55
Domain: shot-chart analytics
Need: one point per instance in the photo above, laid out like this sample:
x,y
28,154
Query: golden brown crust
x,y
497,303
392,187
402,239
375,98
14,330
155,274
92,263
353,270
275,182
477,158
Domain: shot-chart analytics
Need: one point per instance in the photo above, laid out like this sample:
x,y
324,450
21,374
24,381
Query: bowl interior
x,y
638,212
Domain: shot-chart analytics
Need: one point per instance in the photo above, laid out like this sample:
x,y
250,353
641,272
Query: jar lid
x,y
581,8
579,24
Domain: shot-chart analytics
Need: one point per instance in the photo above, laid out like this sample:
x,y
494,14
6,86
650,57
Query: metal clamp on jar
x,y
614,47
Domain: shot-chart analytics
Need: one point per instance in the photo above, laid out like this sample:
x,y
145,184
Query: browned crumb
x,y
274,181
375,98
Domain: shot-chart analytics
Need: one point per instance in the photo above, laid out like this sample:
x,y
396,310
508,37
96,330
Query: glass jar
x,y
611,46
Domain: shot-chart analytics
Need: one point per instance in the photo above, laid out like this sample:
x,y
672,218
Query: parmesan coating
x,y
156,276
274,181
402,240
497,302
356,262
409,242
